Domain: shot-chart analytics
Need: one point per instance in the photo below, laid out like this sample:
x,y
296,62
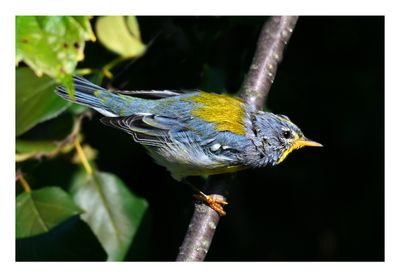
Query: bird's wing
x,y
147,129
151,94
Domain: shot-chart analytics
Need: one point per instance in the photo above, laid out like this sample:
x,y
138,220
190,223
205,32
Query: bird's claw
x,y
213,202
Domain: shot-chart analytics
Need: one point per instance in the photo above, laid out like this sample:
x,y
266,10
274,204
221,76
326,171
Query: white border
x,y
205,7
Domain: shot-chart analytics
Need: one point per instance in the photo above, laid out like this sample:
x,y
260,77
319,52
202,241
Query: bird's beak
x,y
306,142
297,144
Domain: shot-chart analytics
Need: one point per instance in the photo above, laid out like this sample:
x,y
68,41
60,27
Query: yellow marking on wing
x,y
225,111
97,93
121,111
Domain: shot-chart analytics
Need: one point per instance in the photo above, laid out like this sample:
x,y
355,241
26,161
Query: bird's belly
x,y
182,164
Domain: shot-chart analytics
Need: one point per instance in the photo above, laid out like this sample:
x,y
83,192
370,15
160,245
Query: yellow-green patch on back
x,y
225,111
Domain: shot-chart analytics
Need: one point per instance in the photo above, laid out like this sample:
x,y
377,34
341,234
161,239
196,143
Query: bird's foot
x,y
213,202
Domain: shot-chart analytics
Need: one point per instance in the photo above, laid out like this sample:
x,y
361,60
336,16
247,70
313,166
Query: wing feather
x,y
148,129
152,94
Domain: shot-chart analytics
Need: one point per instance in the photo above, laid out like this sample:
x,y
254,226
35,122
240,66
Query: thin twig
x,y
274,35
20,177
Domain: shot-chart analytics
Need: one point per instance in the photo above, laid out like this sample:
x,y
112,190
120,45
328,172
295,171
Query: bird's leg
x,y
213,202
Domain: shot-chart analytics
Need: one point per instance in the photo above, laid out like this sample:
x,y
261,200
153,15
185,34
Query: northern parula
x,y
194,132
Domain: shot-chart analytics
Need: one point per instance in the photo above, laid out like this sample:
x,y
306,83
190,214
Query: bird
x,y
193,132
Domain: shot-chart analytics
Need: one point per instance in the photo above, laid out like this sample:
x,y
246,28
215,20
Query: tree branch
x,y
204,222
274,35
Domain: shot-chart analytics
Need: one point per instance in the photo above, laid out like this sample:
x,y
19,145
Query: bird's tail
x,y
91,95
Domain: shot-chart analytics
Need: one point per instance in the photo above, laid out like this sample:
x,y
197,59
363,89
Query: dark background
x,y
320,204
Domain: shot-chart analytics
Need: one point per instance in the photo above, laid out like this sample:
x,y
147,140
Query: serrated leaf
x,y
40,210
121,35
52,45
111,210
35,100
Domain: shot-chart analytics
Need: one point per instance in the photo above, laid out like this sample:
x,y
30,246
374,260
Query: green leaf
x,y
111,210
133,26
26,146
77,109
71,240
85,24
40,210
27,149
35,100
52,44
121,35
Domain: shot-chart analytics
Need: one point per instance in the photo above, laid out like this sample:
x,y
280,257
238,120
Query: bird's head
x,y
276,136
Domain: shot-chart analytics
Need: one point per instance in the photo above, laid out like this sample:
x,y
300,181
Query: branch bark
x,y
204,222
273,37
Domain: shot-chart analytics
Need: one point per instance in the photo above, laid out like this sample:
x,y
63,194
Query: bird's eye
x,y
286,134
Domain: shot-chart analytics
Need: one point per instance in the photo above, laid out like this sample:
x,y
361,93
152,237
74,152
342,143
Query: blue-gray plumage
x,y
194,133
